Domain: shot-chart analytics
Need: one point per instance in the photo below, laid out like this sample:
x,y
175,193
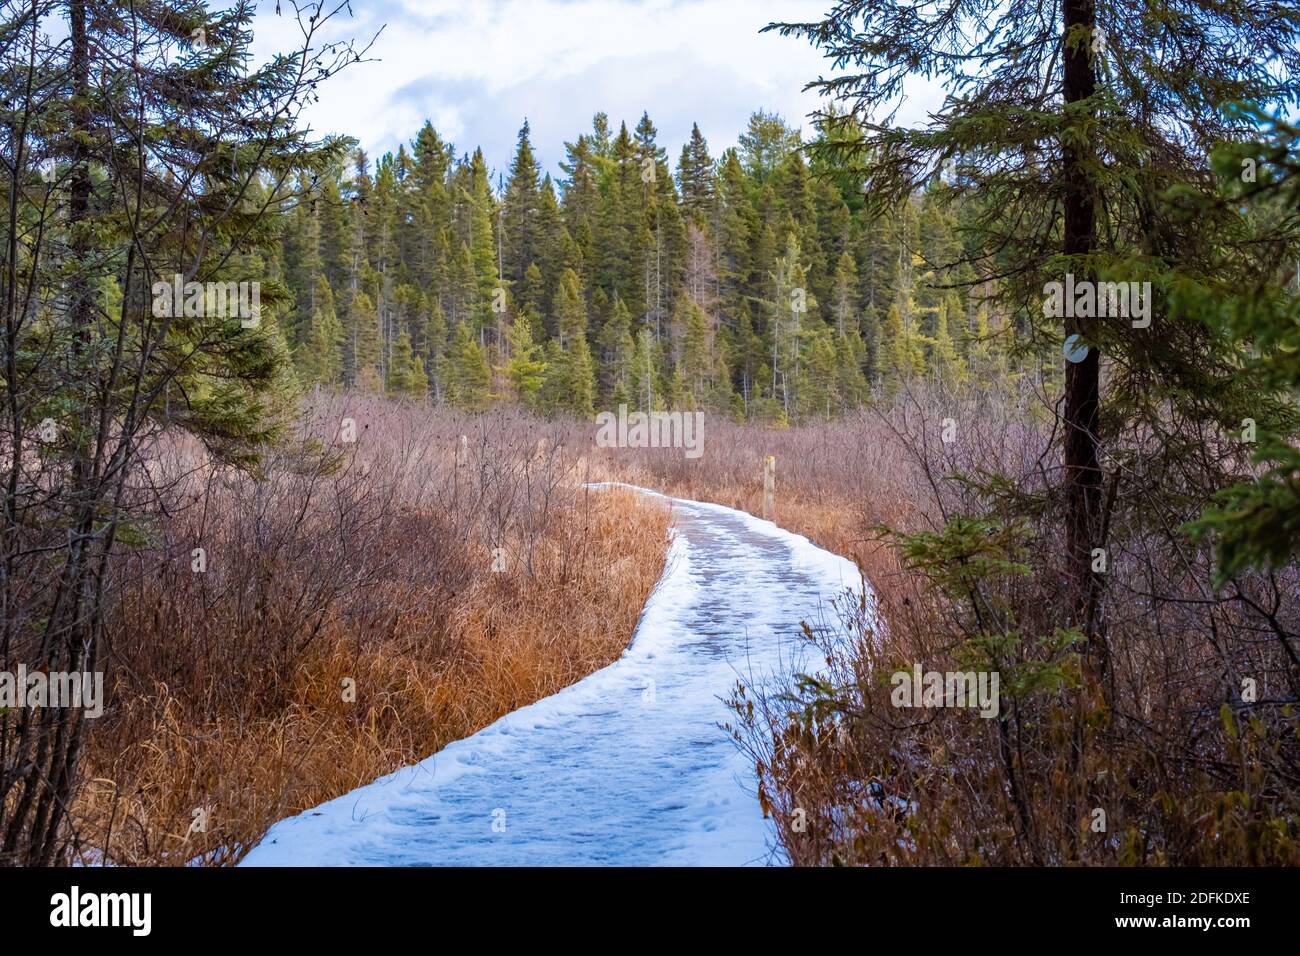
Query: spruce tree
x,y
616,355
165,160
570,368
320,357
362,331
1055,120
695,175
469,378
520,211
525,368
406,376
645,380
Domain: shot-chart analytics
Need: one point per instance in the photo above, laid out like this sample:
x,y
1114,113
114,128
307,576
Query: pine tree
x,y
617,353
406,376
695,175
525,368
645,378
520,211
320,357
362,333
570,370
469,378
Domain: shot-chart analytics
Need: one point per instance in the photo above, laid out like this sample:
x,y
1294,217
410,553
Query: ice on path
x,y
629,766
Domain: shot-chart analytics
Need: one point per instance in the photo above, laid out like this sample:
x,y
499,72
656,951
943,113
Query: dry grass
x,y
1184,769
235,703
374,571
835,483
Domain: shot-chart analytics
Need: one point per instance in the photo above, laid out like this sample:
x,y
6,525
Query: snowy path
x,y
628,766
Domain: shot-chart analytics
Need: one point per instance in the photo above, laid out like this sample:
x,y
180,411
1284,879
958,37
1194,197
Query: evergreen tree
x,y
525,368
818,391
430,247
320,357
694,363
520,212
570,369
301,254
617,353
695,175
406,376
435,353
1079,196
646,377
904,355
765,144
844,297
469,378
943,359
362,335
162,157
851,389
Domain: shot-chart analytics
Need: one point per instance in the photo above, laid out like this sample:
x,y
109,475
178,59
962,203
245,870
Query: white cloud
x,y
477,69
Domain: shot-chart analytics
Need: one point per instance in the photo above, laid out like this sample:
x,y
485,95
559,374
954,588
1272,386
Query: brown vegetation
x,y
376,566
369,563
1166,750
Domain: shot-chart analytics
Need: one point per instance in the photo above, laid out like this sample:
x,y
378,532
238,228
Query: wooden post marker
x,y
769,486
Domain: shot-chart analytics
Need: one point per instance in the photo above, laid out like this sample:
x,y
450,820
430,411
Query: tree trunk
x,y
1082,385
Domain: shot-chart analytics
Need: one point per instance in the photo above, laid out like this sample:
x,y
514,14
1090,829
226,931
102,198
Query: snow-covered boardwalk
x,y
626,767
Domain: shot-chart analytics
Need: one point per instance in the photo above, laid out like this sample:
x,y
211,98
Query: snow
x,y
629,766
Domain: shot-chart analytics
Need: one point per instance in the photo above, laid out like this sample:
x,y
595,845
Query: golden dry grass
x,y
437,666
1185,772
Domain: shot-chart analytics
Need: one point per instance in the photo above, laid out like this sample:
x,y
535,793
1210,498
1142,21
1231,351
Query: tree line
x,y
758,283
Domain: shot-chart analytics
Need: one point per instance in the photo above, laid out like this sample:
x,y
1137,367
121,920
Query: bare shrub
x,y
1181,749
367,566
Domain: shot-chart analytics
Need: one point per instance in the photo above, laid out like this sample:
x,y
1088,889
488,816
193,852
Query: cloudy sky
x,y
477,68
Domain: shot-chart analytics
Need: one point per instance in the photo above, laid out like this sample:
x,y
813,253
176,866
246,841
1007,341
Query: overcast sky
x,y
477,68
